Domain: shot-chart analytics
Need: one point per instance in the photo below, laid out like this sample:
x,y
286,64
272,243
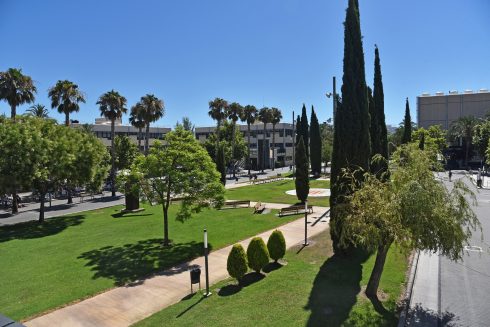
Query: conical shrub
x,y
237,262
276,245
257,254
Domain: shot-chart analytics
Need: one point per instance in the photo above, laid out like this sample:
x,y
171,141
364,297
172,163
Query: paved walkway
x,y
125,306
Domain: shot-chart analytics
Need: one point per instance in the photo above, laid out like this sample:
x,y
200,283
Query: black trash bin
x,y
196,277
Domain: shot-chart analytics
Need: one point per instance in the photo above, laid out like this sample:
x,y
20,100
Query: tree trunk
x,y
15,204
373,284
263,149
146,139
68,193
467,152
13,112
233,149
67,119
41,209
273,146
166,241
248,152
113,160
139,139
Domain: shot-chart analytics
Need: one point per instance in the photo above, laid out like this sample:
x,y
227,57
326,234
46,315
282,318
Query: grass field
x,y
275,192
313,289
76,256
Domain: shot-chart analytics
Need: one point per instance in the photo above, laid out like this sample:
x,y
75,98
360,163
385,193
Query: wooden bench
x,y
295,209
259,207
238,203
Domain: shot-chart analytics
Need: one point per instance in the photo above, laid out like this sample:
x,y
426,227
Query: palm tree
x,y
217,111
112,106
65,96
16,88
249,115
153,109
234,112
463,128
38,110
136,118
265,117
276,117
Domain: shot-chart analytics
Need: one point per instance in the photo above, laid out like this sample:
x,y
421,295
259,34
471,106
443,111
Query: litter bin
x,y
195,277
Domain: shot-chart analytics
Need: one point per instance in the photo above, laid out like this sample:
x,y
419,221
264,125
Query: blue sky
x,y
280,53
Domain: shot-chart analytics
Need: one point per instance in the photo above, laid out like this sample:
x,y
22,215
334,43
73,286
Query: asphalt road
x,y
447,293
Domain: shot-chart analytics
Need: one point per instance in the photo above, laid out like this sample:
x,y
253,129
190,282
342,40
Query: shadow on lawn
x,y
33,229
335,290
130,264
247,280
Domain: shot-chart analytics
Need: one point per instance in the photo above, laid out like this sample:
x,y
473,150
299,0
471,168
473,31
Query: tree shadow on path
x,y
130,264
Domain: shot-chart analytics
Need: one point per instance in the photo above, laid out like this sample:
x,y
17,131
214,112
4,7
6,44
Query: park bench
x,y
259,207
237,203
295,209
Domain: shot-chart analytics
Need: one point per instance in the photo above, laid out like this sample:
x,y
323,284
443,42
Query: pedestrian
x,y
478,179
450,174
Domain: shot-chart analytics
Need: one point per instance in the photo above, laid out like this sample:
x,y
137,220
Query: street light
x,y
306,224
206,262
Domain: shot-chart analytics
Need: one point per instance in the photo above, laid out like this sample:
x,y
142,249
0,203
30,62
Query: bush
x,y
276,245
257,254
237,262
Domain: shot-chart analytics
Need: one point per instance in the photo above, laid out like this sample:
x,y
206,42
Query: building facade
x,y
443,109
284,143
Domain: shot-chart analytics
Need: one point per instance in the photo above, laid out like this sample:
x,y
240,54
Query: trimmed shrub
x,y
237,262
257,254
276,245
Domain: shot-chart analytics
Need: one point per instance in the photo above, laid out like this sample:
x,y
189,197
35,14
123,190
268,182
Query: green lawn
x,y
275,192
313,289
76,256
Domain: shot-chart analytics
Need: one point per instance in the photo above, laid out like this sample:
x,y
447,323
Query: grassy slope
x,y
75,256
275,192
313,289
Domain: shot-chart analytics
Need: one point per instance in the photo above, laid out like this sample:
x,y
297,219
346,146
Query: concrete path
x,y
125,306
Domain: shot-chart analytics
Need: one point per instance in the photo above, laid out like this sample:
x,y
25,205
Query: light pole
x,y
306,224
294,145
206,262
334,94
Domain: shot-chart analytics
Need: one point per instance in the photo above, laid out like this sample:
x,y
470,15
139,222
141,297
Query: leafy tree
x,y
249,115
305,130
414,211
234,112
153,109
265,116
407,125
180,168
352,145
464,128
16,88
137,119
186,124
378,131
302,181
38,110
481,135
112,106
125,152
276,117
315,145
237,262
276,245
257,254
221,162
65,97
326,132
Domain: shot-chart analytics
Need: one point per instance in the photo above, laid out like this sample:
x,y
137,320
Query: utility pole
x,y
294,145
334,94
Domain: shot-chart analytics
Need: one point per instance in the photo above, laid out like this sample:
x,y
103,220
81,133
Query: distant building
x,y
283,146
442,109
102,129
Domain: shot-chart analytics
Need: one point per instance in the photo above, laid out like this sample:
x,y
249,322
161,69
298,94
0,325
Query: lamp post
x,y
306,224
206,262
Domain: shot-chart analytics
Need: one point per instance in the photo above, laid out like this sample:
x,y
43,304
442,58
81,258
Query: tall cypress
x,y
352,145
315,144
407,125
302,181
299,133
378,131
305,130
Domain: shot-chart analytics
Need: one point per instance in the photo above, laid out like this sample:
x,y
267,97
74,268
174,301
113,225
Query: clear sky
x,y
280,53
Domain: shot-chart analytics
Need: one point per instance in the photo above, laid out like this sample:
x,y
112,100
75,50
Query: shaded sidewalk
x,y
127,305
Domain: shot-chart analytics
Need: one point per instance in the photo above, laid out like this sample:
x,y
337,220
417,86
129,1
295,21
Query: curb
x,y
408,293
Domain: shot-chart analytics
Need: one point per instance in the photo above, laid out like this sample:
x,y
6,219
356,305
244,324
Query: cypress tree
x,y
304,130
352,145
298,129
302,181
315,144
378,131
407,125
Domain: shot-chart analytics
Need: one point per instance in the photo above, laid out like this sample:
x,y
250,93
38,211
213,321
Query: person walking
x,y
478,179
450,174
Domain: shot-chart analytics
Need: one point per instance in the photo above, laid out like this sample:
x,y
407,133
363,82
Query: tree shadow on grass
x,y
130,264
247,280
420,316
129,215
34,229
271,266
335,289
